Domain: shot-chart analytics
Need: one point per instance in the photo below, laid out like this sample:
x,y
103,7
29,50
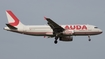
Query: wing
x,y
56,28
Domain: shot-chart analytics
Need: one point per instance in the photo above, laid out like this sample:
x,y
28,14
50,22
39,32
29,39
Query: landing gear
x,y
55,42
56,38
89,38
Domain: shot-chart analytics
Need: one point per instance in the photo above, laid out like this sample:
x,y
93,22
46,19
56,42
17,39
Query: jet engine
x,y
66,38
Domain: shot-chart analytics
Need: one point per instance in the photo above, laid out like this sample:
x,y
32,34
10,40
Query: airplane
x,y
52,30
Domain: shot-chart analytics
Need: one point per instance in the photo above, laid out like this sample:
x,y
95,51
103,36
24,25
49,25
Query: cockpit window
x,y
95,27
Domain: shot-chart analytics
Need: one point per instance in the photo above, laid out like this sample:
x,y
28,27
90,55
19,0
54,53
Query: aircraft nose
x,y
100,31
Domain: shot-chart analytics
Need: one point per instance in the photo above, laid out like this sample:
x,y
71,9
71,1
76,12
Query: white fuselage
x,y
45,30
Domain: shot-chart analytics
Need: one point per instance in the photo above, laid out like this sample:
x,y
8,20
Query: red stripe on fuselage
x,y
16,20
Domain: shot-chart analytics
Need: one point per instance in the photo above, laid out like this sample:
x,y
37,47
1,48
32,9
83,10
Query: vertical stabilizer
x,y
13,20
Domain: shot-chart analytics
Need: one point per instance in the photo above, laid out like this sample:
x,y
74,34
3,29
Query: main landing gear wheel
x,y
55,42
56,38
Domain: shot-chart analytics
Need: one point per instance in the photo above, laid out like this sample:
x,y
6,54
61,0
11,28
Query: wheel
x,y
89,39
55,42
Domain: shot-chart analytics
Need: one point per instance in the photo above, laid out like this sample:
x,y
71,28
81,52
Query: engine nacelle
x,y
68,32
66,38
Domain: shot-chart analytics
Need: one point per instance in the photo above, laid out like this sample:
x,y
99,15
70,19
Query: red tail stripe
x,y
14,18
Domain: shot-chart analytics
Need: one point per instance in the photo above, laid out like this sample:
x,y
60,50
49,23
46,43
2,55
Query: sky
x,y
32,12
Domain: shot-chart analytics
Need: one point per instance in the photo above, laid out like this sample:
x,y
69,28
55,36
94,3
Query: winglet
x,y
44,17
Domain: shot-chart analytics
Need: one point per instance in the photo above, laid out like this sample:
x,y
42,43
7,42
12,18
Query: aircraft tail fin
x,y
13,20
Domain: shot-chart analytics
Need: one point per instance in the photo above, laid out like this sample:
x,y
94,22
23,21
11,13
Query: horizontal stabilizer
x,y
11,27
